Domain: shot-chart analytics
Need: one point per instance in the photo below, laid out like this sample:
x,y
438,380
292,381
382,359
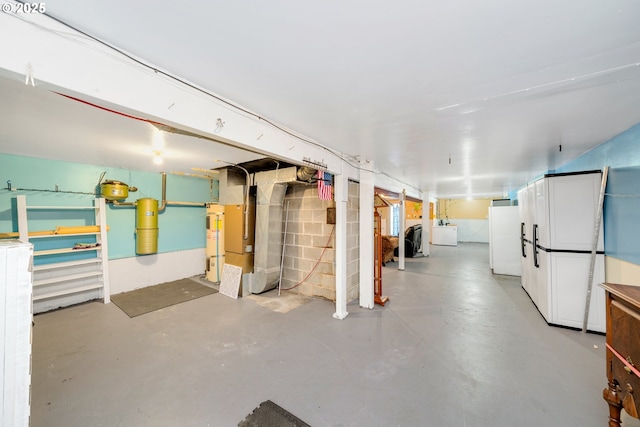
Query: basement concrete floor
x,y
455,346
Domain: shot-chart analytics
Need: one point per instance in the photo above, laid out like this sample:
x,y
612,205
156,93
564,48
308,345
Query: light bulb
x,y
157,157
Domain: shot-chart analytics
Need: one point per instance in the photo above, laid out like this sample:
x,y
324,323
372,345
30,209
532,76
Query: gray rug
x,y
268,414
152,298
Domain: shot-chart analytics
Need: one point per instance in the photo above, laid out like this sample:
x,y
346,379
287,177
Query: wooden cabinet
x,y
623,351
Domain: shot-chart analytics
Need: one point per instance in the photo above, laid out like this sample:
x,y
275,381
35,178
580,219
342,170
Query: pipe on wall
x,y
147,211
164,202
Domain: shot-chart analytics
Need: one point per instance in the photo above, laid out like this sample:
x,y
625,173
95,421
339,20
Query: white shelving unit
x,y
15,332
76,280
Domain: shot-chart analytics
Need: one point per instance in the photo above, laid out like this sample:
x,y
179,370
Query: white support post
x,y
342,195
101,220
426,212
366,238
23,228
402,226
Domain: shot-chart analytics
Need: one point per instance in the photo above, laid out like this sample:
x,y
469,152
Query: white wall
x,y
472,230
127,274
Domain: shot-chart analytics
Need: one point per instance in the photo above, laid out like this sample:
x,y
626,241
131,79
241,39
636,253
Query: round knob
x,y
629,388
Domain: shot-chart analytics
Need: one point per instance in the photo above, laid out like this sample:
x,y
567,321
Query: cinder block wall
x,y
310,243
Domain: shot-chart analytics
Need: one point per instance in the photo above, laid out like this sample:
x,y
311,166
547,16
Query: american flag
x,y
324,185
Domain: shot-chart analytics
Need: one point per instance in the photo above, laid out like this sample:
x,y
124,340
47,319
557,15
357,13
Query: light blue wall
x,y
622,201
620,151
181,227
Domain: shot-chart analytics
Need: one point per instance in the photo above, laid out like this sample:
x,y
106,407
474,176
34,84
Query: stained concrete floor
x,y
455,346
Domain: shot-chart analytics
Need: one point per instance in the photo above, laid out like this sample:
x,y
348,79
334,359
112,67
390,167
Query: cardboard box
x,y
234,229
245,261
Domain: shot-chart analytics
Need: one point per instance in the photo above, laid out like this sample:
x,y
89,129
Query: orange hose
x,y
78,229
59,230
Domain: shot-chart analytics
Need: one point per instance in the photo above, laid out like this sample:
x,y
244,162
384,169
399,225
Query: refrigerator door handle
x,y
524,249
535,246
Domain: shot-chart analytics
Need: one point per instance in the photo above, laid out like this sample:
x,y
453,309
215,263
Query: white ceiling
x,y
44,124
495,86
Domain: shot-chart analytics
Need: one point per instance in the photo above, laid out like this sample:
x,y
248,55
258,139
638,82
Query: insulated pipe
x,y
246,205
164,201
147,211
246,202
163,204
268,241
170,203
117,203
305,173
246,197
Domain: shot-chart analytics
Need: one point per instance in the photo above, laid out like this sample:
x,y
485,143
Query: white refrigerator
x,y
504,252
557,229
526,203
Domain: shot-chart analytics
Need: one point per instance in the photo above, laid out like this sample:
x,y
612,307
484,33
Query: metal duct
x,y
268,239
305,173
271,189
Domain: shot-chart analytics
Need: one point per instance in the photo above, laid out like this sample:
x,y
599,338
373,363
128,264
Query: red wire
x,y
315,266
110,110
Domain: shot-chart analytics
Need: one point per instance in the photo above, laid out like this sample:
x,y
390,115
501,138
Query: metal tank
x,y
146,226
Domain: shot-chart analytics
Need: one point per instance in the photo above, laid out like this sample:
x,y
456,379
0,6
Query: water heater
x,y
215,242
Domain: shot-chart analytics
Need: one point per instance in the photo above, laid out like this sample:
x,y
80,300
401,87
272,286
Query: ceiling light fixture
x,y
157,157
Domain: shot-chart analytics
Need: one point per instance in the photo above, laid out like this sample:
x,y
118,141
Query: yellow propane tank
x,y
146,226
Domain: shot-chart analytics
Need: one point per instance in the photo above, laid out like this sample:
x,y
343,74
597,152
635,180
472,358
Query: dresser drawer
x,y
629,385
625,331
623,351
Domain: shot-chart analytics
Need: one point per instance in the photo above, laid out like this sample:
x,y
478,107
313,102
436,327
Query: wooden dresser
x,y
623,351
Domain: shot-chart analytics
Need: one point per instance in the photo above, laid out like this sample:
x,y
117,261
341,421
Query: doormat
x,y
152,298
268,414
